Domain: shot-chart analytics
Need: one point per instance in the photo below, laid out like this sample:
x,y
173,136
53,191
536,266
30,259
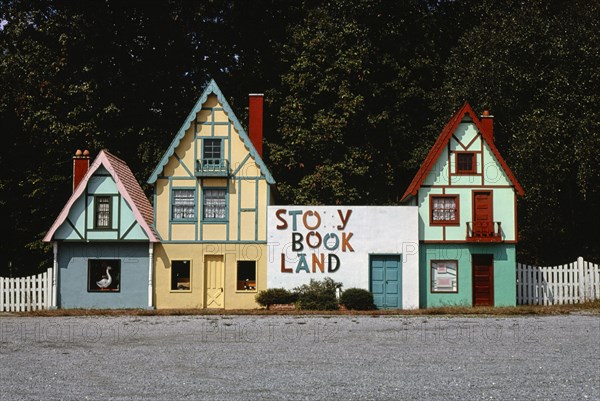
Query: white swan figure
x,y
105,282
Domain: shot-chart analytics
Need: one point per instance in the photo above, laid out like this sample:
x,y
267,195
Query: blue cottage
x,y
103,239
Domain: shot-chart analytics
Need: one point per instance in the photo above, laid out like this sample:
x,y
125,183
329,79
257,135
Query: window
x,y
180,275
184,204
444,209
103,211
104,275
444,276
465,163
215,204
211,151
246,276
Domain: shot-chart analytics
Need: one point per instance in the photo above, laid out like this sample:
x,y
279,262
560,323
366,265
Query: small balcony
x,y
212,168
484,231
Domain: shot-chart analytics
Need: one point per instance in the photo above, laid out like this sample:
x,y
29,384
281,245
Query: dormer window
x,y
465,163
211,151
103,212
212,163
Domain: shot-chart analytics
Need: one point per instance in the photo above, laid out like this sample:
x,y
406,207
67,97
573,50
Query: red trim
x,y
459,142
444,138
472,141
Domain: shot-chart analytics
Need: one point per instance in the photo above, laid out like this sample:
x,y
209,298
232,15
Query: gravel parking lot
x,y
300,357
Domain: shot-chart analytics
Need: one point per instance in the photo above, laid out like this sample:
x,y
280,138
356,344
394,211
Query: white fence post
x,y
580,279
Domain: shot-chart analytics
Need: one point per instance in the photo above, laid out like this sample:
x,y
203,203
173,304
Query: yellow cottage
x,y
211,193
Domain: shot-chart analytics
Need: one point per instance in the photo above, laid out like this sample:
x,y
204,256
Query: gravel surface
x,y
300,358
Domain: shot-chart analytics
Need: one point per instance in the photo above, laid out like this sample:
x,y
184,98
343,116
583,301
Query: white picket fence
x,y
26,293
570,283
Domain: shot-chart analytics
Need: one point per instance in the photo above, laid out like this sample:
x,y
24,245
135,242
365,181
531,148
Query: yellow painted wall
x,y
165,298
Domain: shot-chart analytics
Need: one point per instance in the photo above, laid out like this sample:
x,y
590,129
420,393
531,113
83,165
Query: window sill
x,y
180,291
215,221
246,291
188,221
445,223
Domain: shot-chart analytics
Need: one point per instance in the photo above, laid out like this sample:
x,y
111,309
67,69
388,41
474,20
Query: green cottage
x,y
466,196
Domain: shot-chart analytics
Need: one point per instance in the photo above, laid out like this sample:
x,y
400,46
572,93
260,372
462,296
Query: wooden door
x,y
483,280
483,225
386,281
214,289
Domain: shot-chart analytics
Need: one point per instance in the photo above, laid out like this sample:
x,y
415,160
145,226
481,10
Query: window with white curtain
x,y
184,204
215,204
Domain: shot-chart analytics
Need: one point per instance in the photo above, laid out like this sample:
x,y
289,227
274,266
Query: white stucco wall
x,y
361,231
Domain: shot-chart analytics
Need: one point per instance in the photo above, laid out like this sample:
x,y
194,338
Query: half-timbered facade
x,y
211,192
466,196
103,238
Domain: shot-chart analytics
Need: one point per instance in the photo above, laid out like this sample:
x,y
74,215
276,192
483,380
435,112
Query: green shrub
x,y
318,295
273,296
357,299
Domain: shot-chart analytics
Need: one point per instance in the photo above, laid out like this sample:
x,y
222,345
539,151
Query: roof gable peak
x,y
211,88
465,111
128,187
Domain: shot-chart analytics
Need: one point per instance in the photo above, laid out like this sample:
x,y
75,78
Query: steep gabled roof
x,y
128,188
443,140
210,89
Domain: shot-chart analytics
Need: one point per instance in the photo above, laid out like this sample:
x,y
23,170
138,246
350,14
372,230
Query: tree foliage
x,y
357,91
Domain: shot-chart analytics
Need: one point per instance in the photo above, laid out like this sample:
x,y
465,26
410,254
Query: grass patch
x,y
592,307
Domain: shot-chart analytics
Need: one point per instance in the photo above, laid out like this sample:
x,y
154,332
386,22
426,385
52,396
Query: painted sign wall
x,y
314,242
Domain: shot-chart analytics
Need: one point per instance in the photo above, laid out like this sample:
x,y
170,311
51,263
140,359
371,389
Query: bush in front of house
x,y
274,296
318,295
357,299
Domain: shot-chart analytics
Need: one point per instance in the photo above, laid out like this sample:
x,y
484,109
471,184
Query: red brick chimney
x,y
256,121
81,164
487,123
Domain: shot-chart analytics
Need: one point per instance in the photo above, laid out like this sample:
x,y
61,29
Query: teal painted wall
x,y
505,286
73,275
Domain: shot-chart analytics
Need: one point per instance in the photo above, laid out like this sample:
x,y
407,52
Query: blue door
x,y
386,281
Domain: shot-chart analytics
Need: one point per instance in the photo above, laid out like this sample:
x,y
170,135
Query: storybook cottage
x,y
466,196
211,193
103,238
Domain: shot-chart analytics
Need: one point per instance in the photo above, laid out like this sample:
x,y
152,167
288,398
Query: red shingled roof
x,y
443,140
128,186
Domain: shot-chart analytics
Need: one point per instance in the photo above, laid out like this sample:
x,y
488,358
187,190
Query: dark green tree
x,y
535,64
353,94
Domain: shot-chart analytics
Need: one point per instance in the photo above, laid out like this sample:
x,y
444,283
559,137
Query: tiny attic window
x,y
465,163
103,212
